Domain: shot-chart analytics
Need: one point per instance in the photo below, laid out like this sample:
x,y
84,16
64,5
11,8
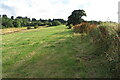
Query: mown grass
x,y
12,30
52,52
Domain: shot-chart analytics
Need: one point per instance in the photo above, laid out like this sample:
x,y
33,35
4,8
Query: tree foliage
x,y
56,23
6,22
76,17
20,21
16,23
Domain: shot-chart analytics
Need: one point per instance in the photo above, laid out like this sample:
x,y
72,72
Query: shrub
x,y
102,36
118,29
50,24
56,23
95,35
16,23
6,22
71,25
36,26
113,55
81,28
104,33
2,27
91,27
108,40
28,27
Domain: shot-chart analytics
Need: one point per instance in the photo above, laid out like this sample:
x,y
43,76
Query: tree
x,y
24,22
19,17
50,24
33,19
4,16
49,20
46,22
12,17
76,17
60,20
56,23
16,23
6,22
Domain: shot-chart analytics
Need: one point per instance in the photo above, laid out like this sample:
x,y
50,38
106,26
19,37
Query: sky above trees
x,y
95,9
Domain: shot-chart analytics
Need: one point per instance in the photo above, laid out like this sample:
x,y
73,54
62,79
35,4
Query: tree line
x,y
76,17
20,21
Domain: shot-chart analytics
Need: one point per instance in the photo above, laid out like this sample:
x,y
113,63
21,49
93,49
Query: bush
x,y
108,40
28,27
95,35
6,22
102,36
91,27
49,24
81,28
17,23
56,23
36,26
71,25
2,27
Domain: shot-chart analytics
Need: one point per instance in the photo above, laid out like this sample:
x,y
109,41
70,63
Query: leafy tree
x,y
6,22
49,20
94,22
76,17
60,20
24,21
33,23
36,26
19,17
12,17
46,22
17,23
39,23
50,24
33,19
56,23
4,16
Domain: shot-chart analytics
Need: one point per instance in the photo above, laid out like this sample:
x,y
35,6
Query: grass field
x,y
12,30
52,52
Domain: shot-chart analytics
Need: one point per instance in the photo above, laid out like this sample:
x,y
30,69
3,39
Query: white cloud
x,y
102,9
95,9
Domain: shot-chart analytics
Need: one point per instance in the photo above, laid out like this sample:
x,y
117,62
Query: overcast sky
x,y
95,9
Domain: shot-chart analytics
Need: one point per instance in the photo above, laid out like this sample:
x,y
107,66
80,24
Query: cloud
x,y
95,9
102,10
7,9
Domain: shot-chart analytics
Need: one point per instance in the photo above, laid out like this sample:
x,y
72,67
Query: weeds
x,y
107,38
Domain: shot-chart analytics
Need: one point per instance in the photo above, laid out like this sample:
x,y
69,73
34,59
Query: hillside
x,y
52,52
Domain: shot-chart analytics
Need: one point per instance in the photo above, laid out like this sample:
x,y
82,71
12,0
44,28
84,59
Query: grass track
x,y
53,52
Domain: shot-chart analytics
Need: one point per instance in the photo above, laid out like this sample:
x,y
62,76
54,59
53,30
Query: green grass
x,y
53,52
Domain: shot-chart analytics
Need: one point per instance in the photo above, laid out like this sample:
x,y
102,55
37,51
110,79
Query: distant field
x,y
51,52
13,30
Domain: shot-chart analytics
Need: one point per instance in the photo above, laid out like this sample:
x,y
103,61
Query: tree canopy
x,y
20,21
76,17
